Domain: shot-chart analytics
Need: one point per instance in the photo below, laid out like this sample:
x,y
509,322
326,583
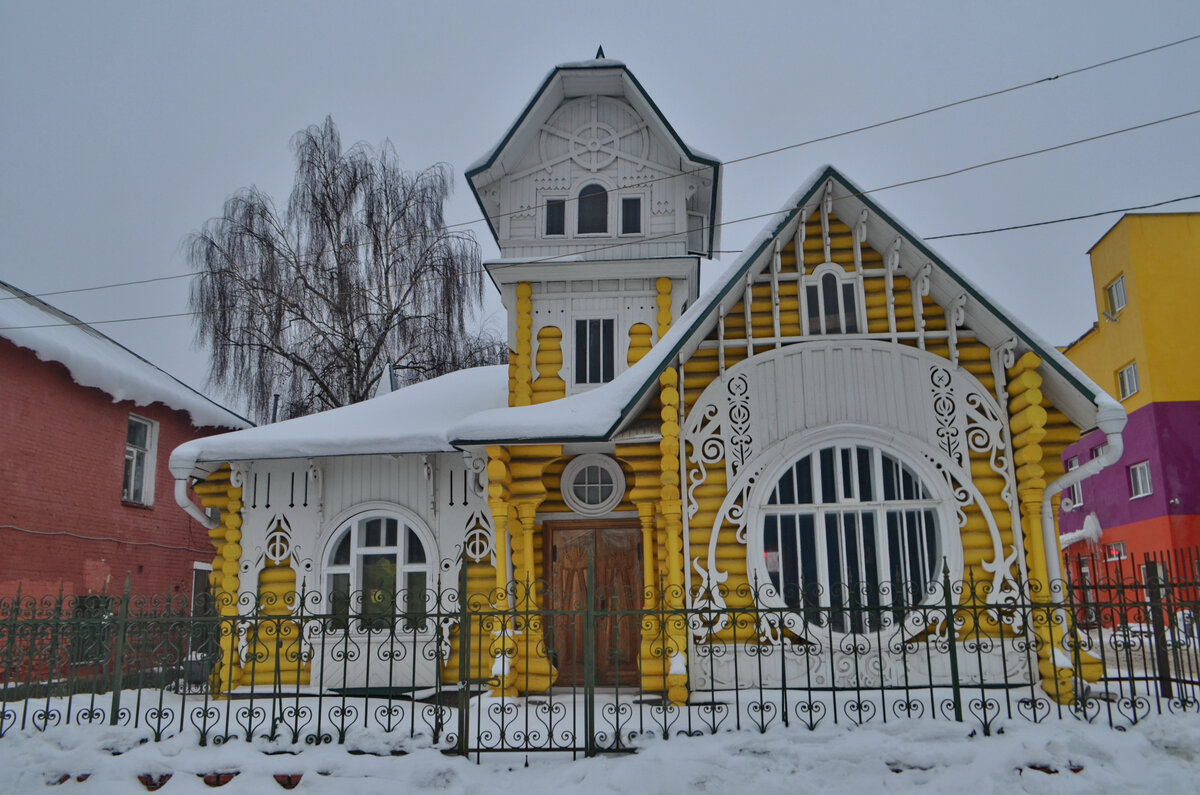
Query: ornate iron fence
x,y
475,677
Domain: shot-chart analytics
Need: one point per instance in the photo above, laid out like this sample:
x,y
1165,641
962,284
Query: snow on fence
x,y
431,664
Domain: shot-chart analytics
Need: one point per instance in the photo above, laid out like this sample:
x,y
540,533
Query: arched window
x,y
850,532
833,303
378,568
593,210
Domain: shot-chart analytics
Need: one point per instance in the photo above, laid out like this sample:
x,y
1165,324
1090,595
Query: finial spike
x,y
600,53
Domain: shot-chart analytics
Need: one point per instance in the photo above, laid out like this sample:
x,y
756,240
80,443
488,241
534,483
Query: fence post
x,y
1154,591
952,642
589,658
464,658
118,675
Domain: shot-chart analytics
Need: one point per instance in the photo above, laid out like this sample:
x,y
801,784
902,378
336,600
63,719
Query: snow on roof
x,y
95,360
415,419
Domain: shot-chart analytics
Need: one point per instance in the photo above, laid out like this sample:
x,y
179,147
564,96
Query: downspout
x,y
1111,420
193,510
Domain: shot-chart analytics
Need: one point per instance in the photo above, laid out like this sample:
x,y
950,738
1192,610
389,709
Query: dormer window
x,y
631,215
556,217
593,210
833,303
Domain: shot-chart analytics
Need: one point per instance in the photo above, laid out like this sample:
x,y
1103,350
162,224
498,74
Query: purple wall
x,y
1165,434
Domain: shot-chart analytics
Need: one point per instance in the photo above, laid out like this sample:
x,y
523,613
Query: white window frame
x,y
355,525
580,367
1115,297
608,209
1127,380
1114,551
148,458
543,207
1075,493
842,278
642,201
583,466
1099,449
1140,483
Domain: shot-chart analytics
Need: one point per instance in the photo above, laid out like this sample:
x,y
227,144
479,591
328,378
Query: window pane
x,y
414,550
379,587
829,297
371,532
849,310
866,476
771,550
137,434
390,525
804,487
814,309
631,216
790,561
342,556
828,475
593,210
339,600
594,351
414,599
607,356
556,217
581,347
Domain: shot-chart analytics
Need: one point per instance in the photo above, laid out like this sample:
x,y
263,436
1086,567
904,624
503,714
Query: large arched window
x,y
378,567
851,533
593,210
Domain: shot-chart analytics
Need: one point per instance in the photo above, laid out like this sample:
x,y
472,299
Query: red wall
x,y
62,458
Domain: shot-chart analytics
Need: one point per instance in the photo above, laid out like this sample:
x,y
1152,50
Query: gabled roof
x,y
95,360
603,412
603,76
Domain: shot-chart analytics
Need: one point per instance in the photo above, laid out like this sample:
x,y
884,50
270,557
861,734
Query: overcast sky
x,y
124,126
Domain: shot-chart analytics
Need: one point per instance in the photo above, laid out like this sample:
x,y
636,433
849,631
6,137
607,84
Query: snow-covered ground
x,y
1160,754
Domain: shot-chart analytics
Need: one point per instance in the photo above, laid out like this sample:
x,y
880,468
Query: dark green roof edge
x,y
512,130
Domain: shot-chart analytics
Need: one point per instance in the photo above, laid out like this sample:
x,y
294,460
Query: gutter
x,y
192,509
1111,419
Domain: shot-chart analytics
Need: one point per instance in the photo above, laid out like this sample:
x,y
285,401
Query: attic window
x,y
593,210
833,303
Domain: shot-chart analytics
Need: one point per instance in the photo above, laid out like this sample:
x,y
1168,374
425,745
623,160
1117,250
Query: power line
x,y
743,159
620,244
1063,220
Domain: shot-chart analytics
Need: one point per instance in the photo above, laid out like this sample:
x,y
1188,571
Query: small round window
x,y
592,484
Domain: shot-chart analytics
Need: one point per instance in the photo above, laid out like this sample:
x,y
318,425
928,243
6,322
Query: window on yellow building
x,y
1115,295
1127,380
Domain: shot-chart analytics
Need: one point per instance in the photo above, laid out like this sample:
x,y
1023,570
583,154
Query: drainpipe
x,y
193,510
1111,420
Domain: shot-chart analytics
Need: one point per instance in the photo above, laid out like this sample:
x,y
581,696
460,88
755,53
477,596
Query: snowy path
x,y
1161,754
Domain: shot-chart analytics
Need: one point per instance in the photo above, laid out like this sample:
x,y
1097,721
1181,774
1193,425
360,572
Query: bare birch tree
x,y
361,270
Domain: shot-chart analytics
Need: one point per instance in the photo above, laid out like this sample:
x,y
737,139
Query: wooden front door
x,y
616,548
